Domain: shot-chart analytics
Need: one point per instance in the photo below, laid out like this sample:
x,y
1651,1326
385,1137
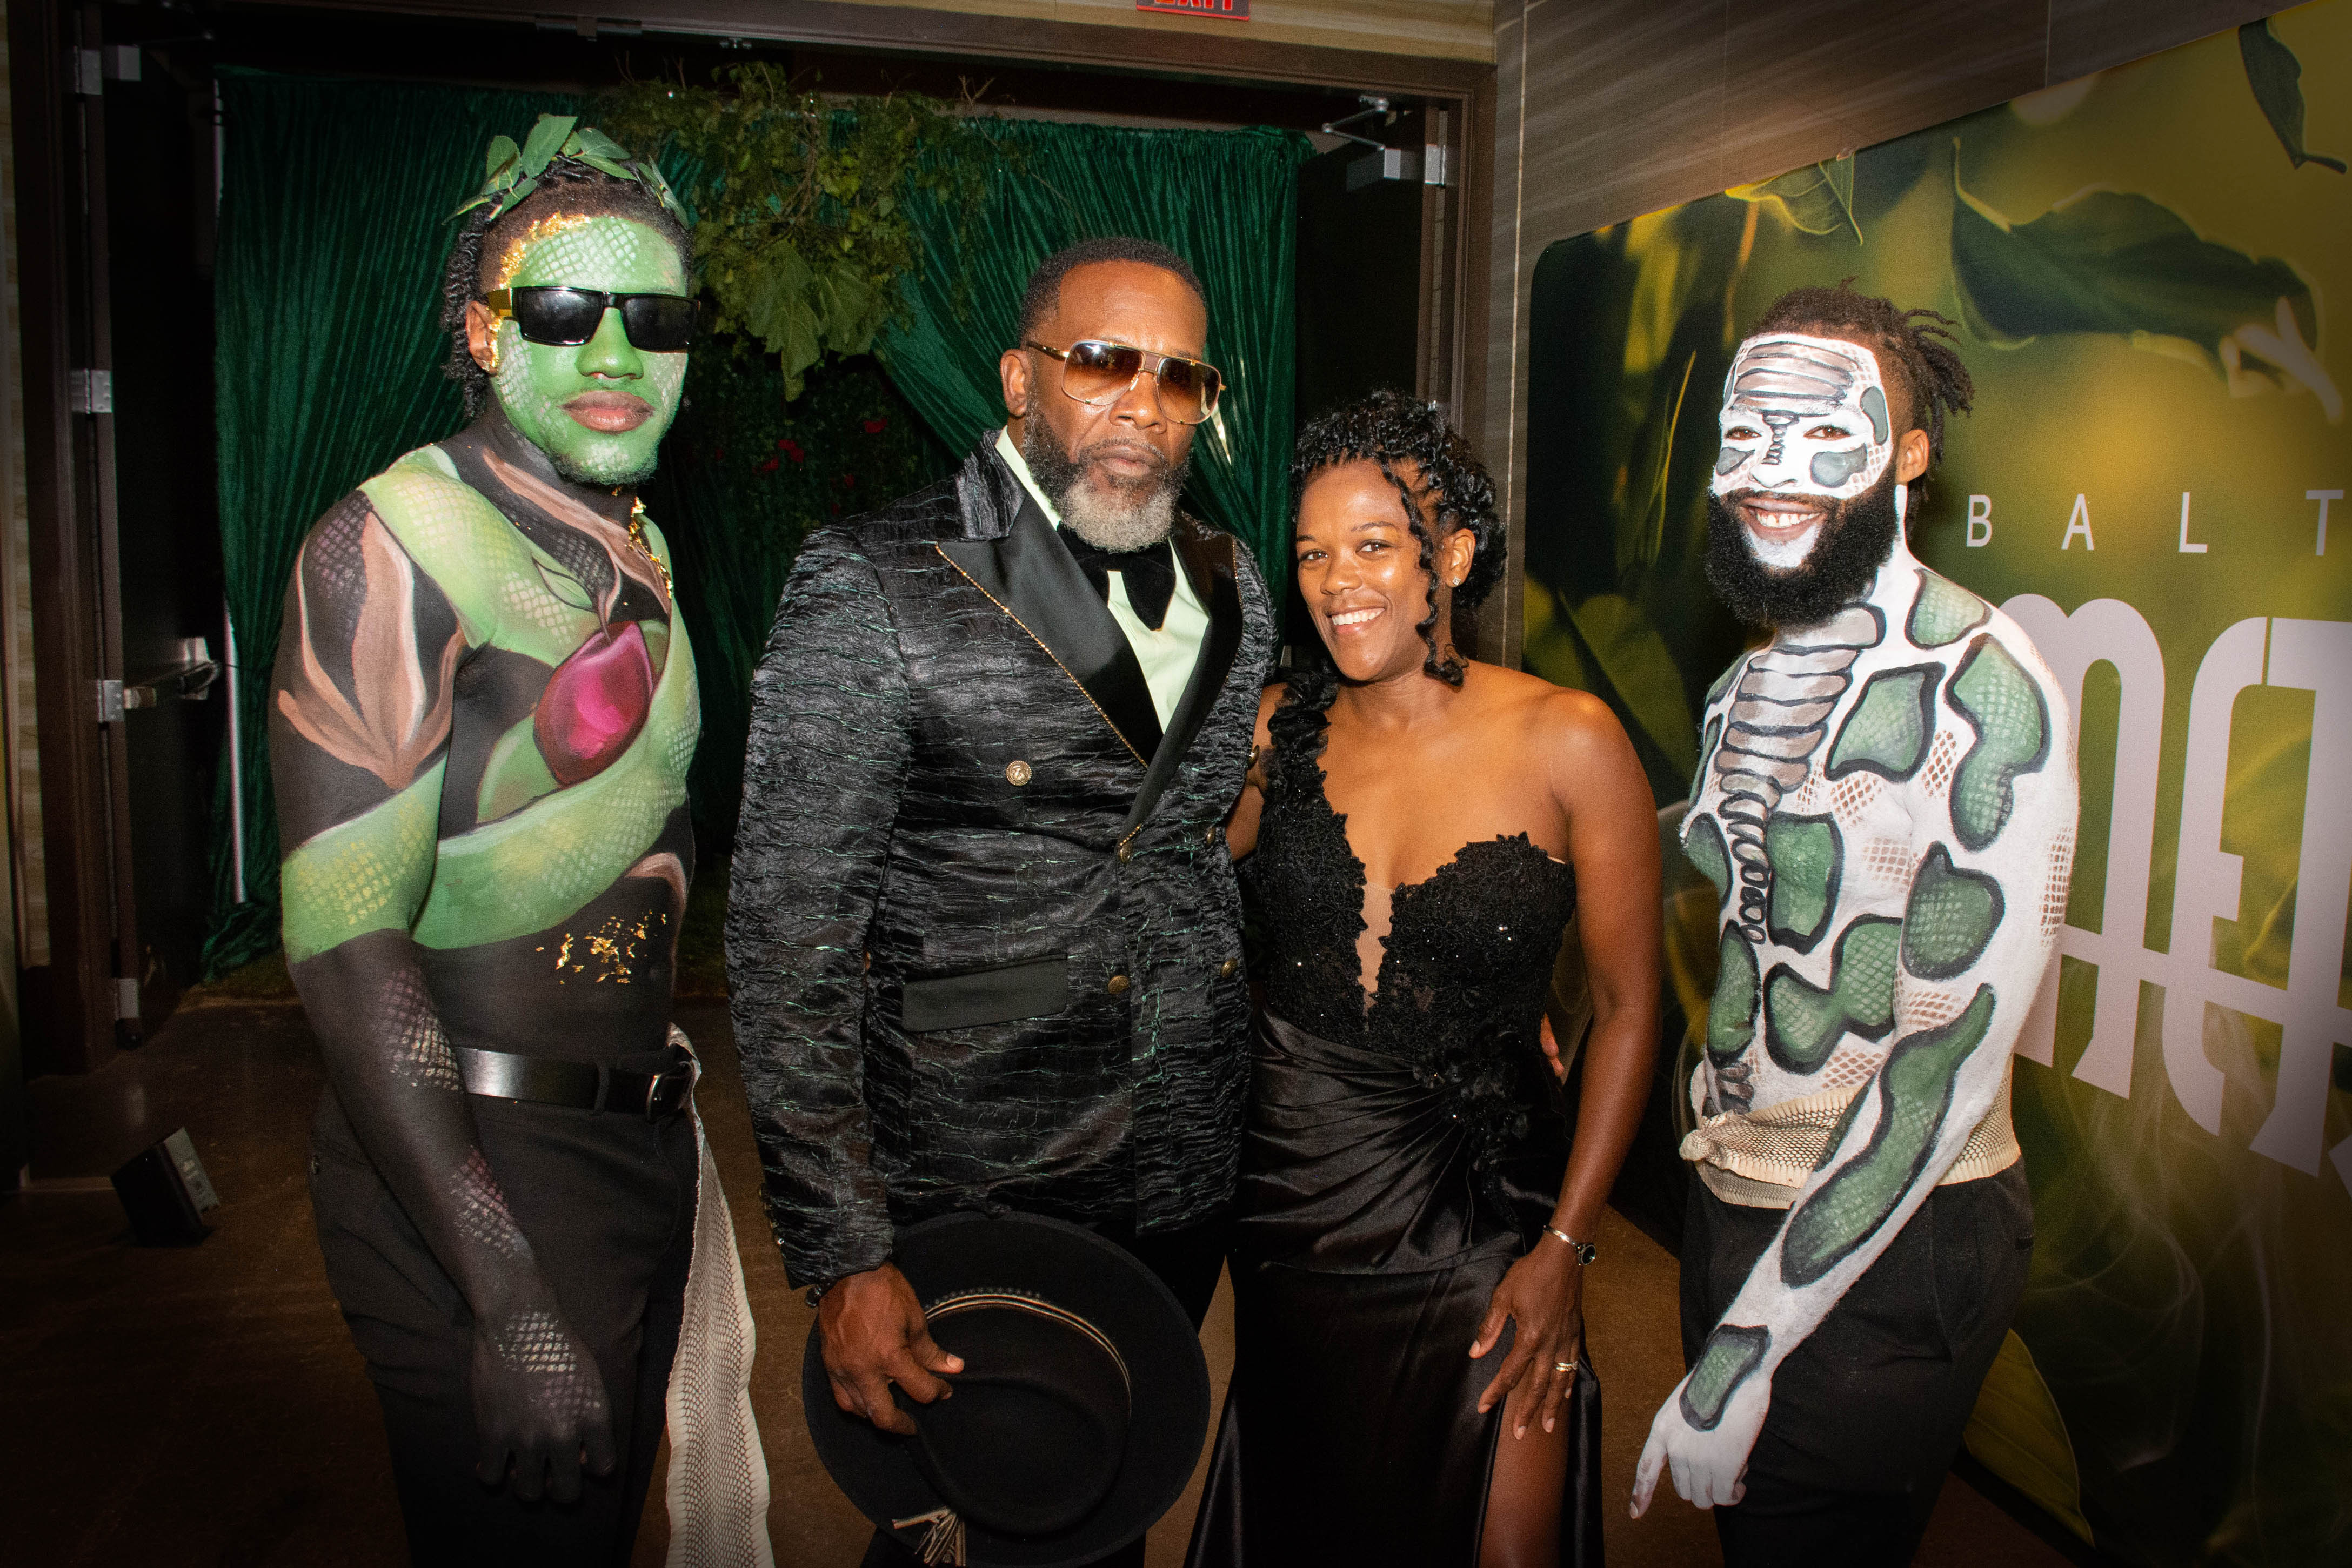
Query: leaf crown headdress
x,y
513,172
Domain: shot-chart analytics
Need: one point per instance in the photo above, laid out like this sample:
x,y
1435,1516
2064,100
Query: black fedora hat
x,y
1078,1418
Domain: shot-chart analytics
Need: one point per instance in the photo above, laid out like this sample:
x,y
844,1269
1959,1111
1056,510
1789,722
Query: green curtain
x,y
1225,200
326,302
333,237
744,475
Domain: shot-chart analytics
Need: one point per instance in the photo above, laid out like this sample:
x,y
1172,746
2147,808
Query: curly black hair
x,y
1916,346
567,187
1395,430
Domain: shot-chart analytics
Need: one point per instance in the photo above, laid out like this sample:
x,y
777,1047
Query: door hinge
x,y
110,702
89,391
126,997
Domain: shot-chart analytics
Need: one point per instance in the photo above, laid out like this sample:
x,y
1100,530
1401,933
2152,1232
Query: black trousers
x,y
607,1201
1868,1412
1188,1262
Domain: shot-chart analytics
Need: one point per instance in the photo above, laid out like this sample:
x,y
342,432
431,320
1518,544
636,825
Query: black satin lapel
x,y
1033,578
1208,562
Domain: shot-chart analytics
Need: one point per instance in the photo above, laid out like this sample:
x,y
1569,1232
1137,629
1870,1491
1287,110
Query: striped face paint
x,y
1803,417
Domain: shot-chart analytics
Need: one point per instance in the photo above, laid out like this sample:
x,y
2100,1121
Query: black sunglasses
x,y
560,317
1097,373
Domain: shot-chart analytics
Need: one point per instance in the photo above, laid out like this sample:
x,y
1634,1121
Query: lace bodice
x,y
1460,988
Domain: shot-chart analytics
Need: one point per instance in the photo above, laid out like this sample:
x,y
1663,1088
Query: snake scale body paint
x,y
1886,804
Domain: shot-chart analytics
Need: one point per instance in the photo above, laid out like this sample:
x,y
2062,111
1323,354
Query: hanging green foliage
x,y
800,235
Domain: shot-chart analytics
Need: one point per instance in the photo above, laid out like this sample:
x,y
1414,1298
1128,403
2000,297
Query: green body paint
x,y
1803,1022
535,381
369,874
1703,845
1951,915
1892,722
1996,697
515,775
1944,611
1731,1018
1807,857
1732,1354
1914,1093
549,850
526,871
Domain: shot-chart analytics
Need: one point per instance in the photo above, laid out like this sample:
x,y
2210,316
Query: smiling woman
x,y
1419,830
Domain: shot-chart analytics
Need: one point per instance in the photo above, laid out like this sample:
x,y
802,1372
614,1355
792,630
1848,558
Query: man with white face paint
x,y
1885,802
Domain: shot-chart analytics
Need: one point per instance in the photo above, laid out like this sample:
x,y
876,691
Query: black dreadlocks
x,y
1393,430
567,187
1913,346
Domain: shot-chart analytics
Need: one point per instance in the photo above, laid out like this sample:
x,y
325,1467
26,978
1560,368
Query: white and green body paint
x,y
1886,804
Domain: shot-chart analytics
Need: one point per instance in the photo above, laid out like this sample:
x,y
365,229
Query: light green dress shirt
x,y
1167,653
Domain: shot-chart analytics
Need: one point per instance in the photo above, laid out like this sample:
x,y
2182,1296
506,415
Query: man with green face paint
x,y
482,712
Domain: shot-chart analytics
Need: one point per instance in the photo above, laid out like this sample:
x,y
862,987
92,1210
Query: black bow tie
x,y
1150,574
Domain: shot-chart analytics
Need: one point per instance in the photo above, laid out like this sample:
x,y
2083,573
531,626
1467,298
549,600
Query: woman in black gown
x,y
1412,1212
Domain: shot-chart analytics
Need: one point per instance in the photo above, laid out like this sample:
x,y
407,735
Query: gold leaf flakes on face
x,y
541,228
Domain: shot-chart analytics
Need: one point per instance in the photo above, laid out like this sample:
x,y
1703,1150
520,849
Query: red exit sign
x,y
1232,10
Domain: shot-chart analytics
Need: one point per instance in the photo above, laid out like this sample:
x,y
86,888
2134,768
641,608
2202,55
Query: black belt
x,y
583,1085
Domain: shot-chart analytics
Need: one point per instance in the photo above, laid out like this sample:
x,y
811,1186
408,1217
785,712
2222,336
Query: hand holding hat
x,y
1080,1397
874,1335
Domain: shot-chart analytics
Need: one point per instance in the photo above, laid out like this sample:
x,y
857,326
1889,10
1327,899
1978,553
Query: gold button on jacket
x,y
1118,986
1016,772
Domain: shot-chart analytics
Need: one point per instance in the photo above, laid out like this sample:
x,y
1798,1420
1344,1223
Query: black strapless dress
x,y
1400,1154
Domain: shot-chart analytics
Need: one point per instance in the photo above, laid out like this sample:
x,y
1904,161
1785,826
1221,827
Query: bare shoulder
x,y
1553,718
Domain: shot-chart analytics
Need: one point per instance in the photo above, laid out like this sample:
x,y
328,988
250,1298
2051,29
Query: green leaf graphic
x,y
2276,76
2116,261
2018,1433
1609,634
1817,198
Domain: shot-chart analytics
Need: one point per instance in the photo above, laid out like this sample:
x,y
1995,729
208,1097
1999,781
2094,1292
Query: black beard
x,y
1142,516
1855,538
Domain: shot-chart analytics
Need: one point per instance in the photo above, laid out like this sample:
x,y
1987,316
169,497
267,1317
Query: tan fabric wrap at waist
x,y
1758,1159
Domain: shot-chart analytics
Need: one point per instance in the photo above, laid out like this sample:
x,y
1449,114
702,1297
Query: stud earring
x,y
489,363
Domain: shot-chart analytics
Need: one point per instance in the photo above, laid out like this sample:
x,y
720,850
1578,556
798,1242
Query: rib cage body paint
x,y
1778,720
1886,804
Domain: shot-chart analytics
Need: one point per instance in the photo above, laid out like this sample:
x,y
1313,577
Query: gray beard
x,y
1126,519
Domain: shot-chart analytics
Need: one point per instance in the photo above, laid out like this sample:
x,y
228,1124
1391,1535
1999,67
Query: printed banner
x,y
2143,266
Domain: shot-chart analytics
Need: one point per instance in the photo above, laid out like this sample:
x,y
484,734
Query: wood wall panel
x,y
2088,36
1606,110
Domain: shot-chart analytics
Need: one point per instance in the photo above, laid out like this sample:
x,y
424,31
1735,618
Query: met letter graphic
x,y
2310,656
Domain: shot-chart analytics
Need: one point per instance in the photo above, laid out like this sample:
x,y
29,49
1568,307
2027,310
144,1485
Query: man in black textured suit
x,y
984,936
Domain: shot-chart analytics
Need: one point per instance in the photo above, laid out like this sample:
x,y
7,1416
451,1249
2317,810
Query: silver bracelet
x,y
1584,1250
